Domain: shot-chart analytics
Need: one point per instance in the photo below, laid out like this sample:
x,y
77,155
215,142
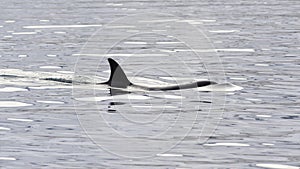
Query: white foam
x,y
238,78
196,23
253,99
49,102
135,43
277,166
223,87
44,20
50,67
1,26
207,20
261,64
51,55
195,50
5,128
173,97
136,97
157,21
24,33
235,50
92,99
165,43
120,26
133,31
159,30
21,120
10,21
169,155
114,4
167,96
168,51
12,89
22,56
262,115
267,144
121,55
117,97
13,104
59,32
50,87
7,158
155,107
65,72
224,31
228,144
59,26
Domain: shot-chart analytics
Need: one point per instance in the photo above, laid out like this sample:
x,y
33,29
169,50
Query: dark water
x,y
252,44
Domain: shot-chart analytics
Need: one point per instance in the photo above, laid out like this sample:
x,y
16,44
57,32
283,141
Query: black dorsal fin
x,y
117,76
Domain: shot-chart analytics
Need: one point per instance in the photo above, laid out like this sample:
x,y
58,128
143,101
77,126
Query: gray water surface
x,y
46,124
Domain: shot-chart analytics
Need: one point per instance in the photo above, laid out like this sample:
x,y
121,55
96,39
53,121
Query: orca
x,y
118,82
118,79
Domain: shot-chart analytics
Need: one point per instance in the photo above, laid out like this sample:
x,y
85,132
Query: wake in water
x,y
117,80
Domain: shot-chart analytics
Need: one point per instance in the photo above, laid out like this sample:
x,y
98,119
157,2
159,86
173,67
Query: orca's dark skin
x,y
118,79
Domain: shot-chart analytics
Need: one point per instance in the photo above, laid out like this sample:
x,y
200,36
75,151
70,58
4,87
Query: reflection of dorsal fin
x,y
117,76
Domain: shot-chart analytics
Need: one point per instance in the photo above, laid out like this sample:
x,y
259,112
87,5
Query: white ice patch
x,y
228,144
21,120
277,166
13,104
12,89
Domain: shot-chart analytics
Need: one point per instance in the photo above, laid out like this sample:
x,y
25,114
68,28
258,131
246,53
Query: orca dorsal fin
x,y
117,76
